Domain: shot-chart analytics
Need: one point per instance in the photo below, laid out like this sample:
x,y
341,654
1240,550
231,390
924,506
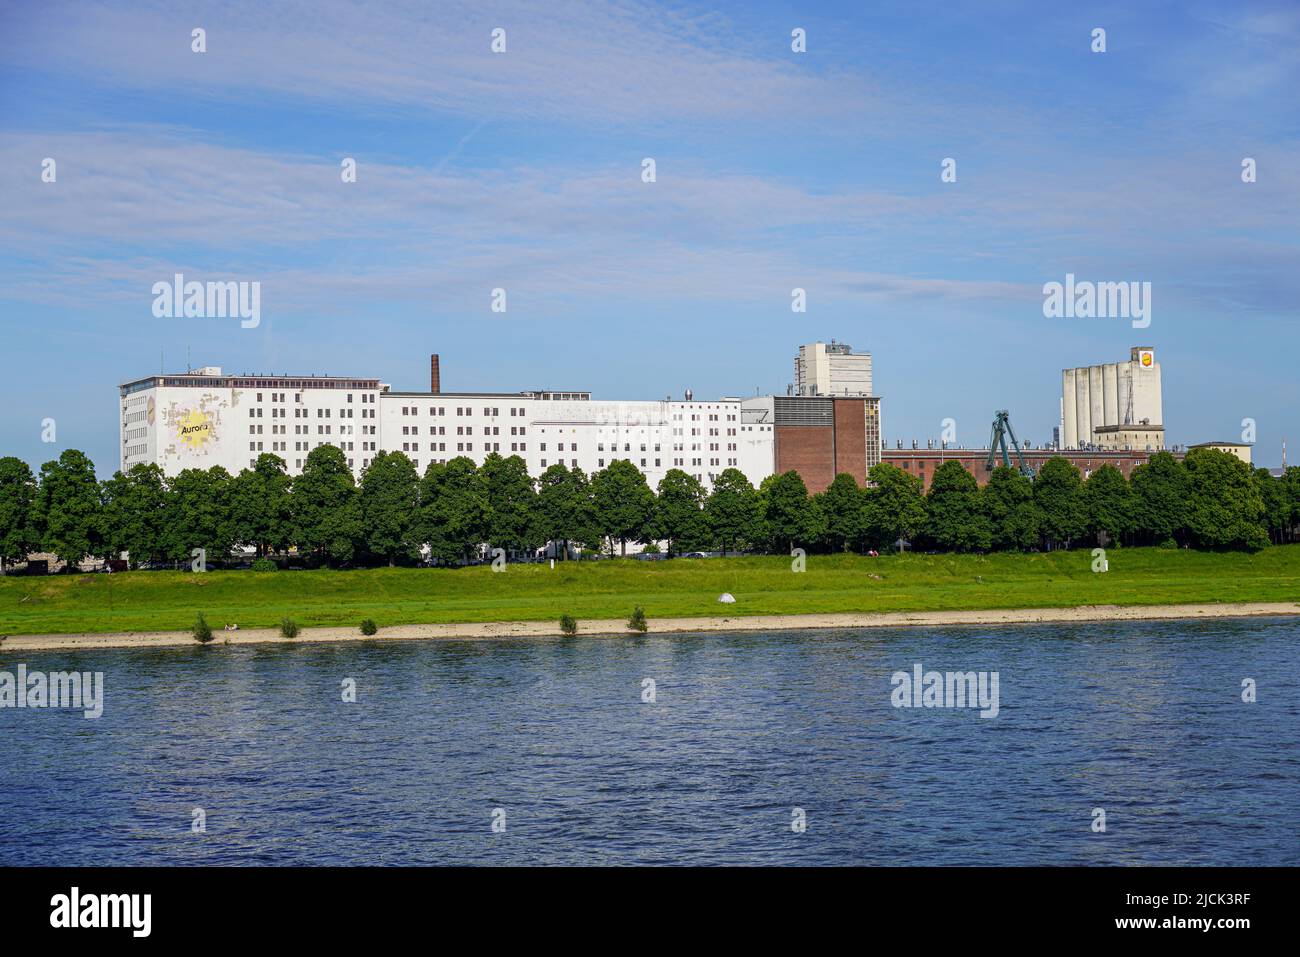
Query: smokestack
x,y
435,378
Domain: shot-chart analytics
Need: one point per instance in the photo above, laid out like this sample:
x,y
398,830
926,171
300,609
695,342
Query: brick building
x,y
923,462
820,436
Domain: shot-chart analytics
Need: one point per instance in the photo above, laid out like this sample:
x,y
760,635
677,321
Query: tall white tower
x,y
1118,393
834,369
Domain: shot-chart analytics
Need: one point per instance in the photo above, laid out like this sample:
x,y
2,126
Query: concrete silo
x,y
1106,396
1110,394
1069,411
1083,405
1097,407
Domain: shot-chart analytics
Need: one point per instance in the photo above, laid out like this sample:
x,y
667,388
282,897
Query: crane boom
x,y
1002,431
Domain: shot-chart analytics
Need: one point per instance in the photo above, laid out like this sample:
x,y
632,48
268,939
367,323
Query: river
x,y
748,748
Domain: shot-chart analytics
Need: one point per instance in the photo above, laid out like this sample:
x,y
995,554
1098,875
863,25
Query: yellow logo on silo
x,y
194,429
1146,358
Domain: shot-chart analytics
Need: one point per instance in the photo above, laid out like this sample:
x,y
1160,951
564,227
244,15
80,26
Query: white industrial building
x,y
1105,405
831,370
204,418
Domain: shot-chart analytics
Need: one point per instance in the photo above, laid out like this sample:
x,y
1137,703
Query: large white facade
x,y
1116,394
831,370
204,418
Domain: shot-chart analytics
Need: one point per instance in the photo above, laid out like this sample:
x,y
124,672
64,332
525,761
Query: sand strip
x,y
540,629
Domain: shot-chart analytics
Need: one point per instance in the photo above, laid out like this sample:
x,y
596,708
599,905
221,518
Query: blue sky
x,y
775,170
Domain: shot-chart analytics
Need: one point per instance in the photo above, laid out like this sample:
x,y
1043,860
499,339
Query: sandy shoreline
x,y
545,629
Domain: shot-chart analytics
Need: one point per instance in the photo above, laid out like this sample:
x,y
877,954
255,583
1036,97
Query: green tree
x,y
1291,481
390,507
1109,505
624,504
844,511
788,517
1277,505
564,507
19,534
895,506
1160,500
1009,503
69,509
679,511
732,511
135,513
1224,507
1058,493
453,509
197,514
261,505
326,508
511,501
955,515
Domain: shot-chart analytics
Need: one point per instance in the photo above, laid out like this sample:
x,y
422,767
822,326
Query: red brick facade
x,y
809,450
819,452
851,439
923,462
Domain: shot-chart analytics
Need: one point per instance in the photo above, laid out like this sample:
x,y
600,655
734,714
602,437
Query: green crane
x,y
1001,432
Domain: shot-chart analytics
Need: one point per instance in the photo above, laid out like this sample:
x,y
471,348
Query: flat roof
x,y
196,378
524,394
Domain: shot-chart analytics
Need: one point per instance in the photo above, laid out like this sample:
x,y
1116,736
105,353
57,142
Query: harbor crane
x,y
1002,431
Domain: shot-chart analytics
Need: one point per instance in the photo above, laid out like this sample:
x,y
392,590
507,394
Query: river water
x,y
746,735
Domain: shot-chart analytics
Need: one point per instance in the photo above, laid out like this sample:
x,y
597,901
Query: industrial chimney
x,y
435,378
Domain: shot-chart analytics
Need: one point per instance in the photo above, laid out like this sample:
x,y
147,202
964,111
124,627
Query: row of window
x,y
460,447
280,397
460,430
460,410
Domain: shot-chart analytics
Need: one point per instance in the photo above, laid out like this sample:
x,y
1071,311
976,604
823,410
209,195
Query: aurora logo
x,y
194,429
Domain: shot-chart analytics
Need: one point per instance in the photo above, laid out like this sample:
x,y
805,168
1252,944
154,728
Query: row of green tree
x,y
1209,500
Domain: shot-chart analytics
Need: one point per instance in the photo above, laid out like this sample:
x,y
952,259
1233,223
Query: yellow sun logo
x,y
194,430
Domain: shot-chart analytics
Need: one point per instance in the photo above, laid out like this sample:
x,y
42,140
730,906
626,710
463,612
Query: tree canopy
x,y
456,511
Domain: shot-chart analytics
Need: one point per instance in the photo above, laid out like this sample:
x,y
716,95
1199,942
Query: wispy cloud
x,y
587,62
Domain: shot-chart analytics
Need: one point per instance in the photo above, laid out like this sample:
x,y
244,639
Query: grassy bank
x,y
160,601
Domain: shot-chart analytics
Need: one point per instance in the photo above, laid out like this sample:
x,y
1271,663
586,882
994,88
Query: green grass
x,y
169,601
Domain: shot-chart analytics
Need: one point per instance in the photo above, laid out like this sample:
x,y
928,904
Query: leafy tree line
x,y
1209,500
